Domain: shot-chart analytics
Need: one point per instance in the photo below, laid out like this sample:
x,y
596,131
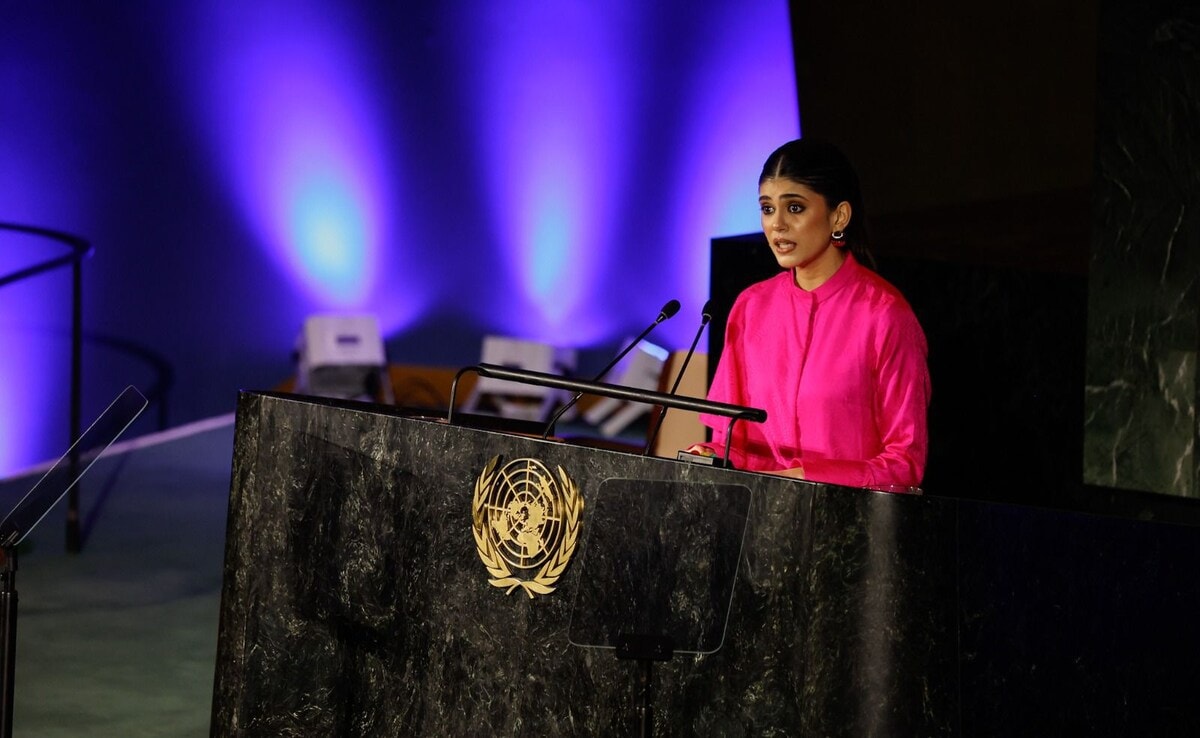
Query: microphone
x,y
667,311
705,318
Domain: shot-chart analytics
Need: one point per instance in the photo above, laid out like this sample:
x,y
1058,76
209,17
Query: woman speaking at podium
x,y
828,348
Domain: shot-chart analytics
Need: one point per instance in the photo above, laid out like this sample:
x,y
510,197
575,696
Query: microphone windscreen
x,y
706,313
668,310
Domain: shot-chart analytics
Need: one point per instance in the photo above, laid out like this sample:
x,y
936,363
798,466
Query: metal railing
x,y
79,250
163,372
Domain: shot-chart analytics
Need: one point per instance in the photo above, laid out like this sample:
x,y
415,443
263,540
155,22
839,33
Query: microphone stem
x,y
674,387
571,403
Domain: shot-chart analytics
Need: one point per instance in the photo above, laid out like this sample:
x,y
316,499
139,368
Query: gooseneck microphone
x,y
667,311
705,319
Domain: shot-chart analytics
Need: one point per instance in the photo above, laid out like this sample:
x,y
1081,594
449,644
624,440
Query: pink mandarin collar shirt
x,y
841,372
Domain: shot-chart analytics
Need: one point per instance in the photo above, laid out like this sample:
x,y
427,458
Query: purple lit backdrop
x,y
547,172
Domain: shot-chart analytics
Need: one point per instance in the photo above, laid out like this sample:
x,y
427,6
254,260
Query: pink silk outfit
x,y
841,372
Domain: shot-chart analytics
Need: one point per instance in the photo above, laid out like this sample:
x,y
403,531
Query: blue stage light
x,y
283,101
34,354
601,149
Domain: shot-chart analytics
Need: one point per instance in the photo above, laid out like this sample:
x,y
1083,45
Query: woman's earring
x,y
839,238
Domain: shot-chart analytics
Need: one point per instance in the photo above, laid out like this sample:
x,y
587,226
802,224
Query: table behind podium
x,y
358,599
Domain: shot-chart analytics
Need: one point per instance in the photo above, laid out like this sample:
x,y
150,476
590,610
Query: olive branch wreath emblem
x,y
567,499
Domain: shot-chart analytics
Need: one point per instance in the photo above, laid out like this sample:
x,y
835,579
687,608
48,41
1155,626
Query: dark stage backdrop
x,y
972,127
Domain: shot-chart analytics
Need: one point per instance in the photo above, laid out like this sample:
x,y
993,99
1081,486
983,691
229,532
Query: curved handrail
x,y
80,249
164,373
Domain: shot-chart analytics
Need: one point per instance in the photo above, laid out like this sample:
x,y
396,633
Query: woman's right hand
x,y
699,449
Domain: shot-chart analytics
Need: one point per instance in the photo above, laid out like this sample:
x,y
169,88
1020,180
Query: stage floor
x,y
121,639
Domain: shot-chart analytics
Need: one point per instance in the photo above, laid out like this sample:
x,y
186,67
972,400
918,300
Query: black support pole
x,y
74,531
8,635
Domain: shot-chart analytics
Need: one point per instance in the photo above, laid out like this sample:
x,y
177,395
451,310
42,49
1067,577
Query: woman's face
x,y
798,223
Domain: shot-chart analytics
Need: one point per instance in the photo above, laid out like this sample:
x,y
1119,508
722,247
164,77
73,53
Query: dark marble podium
x,y
355,602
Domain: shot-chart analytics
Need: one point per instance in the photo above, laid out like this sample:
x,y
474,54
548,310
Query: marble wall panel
x,y
1143,332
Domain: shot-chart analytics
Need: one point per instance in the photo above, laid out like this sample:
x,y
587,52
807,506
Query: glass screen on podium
x,y
66,472
661,560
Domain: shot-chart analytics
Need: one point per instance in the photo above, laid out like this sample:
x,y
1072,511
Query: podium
x,y
356,601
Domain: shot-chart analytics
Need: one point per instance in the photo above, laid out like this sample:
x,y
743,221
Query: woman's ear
x,y
841,216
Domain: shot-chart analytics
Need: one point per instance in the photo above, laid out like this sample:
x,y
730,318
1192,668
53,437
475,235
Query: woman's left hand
x,y
796,472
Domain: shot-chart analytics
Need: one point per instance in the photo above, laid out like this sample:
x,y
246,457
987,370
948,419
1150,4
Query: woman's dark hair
x,y
823,168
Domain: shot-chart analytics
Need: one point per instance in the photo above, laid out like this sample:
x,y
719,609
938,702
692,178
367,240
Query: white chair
x,y
342,356
513,399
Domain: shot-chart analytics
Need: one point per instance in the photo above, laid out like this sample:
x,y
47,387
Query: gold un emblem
x,y
526,524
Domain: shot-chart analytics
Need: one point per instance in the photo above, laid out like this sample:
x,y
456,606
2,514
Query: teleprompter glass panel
x,y
661,560
64,474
